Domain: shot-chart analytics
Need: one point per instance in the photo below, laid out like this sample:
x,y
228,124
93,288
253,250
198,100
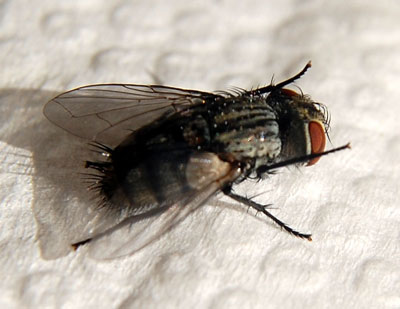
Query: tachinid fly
x,y
166,150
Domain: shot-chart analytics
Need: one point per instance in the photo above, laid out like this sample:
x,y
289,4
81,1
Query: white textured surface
x,y
218,257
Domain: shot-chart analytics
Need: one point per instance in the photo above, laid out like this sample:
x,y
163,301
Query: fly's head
x,y
303,124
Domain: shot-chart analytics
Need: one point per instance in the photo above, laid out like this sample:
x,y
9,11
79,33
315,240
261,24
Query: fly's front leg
x,y
266,169
263,209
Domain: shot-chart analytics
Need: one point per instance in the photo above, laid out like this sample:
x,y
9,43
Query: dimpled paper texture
x,y
220,256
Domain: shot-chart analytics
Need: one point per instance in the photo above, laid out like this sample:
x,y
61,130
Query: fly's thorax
x,y
302,124
252,142
246,128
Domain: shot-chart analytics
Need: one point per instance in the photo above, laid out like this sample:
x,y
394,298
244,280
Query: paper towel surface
x,y
220,256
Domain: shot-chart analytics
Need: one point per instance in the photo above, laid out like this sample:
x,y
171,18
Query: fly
x,y
165,151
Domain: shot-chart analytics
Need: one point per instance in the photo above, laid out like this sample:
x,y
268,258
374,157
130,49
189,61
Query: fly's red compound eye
x,y
317,139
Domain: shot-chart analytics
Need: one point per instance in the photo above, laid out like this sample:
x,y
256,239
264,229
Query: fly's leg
x,y
268,168
262,208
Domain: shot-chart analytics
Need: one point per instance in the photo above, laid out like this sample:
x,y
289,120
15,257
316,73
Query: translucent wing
x,y
206,174
137,232
107,113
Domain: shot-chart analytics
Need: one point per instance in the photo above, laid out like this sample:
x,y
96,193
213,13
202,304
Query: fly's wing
x,y
205,174
107,113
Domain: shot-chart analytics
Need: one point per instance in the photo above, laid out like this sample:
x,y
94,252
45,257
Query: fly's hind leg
x,y
262,208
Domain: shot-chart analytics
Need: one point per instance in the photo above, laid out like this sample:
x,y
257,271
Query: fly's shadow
x,y
53,159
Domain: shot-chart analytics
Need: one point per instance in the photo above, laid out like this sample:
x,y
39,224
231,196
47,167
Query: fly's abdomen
x,y
164,178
